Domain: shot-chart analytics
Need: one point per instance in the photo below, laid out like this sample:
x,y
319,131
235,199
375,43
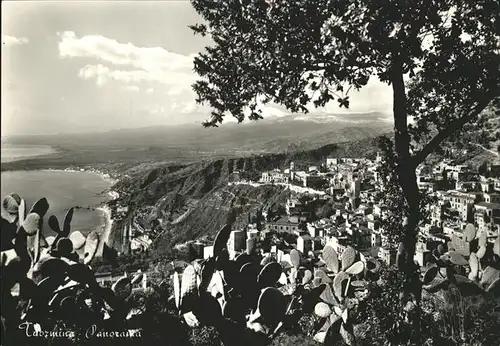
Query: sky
x,y
75,66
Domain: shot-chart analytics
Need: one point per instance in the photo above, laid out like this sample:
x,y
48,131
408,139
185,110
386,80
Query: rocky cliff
x,y
183,202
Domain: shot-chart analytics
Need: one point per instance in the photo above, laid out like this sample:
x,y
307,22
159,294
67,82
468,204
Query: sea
x,y
18,152
63,190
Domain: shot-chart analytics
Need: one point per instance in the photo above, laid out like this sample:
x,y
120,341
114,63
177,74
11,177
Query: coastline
x,y
104,207
107,177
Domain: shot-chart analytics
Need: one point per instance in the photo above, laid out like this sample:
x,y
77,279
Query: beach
x,y
104,208
88,190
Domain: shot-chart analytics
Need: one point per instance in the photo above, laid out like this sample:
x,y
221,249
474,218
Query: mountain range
x,y
127,148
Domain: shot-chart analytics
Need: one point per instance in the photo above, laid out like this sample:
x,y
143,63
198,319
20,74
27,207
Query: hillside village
x,y
335,203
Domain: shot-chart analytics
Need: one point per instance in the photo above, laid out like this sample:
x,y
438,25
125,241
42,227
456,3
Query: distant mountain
x,y
192,142
349,119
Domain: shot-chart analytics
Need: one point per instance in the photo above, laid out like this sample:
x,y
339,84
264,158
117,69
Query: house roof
x,y
488,205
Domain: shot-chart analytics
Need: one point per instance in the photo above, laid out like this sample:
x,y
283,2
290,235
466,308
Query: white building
x,y
304,244
140,243
274,176
208,251
331,161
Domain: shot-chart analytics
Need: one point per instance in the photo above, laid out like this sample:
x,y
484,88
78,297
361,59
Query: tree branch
x,y
450,129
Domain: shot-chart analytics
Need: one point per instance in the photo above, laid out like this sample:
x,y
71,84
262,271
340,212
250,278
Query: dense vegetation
x,y
349,299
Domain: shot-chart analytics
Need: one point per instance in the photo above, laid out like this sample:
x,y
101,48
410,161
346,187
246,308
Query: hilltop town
x,y
336,203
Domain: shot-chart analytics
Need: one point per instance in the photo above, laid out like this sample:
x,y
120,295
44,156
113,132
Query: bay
x,y
63,190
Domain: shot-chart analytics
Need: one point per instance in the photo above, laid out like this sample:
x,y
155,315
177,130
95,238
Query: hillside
x,y
187,201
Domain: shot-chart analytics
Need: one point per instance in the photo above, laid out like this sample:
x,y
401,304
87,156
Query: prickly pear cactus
x,y
331,258
295,258
348,257
53,282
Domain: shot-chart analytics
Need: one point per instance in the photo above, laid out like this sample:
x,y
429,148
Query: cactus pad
x,y
496,247
269,275
358,283
221,259
64,246
177,289
322,310
67,223
221,239
331,258
430,274
32,223
271,306
348,257
483,239
54,224
11,204
373,265
308,275
481,252
22,210
474,264
470,232
266,259
327,295
50,240
316,281
319,273
122,288
356,268
460,245
91,245
490,274
457,259
242,259
494,287
50,267
338,284
78,239
295,258
189,282
40,207
294,273
79,272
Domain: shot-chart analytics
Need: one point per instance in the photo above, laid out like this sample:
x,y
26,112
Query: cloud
x,y
129,63
167,76
8,40
132,88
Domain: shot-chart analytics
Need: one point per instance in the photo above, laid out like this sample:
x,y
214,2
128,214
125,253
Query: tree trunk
x,y
406,171
405,164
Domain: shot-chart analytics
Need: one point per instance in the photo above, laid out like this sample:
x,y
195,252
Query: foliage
x,y
325,211
441,60
123,263
303,52
204,336
390,195
258,293
57,290
293,340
